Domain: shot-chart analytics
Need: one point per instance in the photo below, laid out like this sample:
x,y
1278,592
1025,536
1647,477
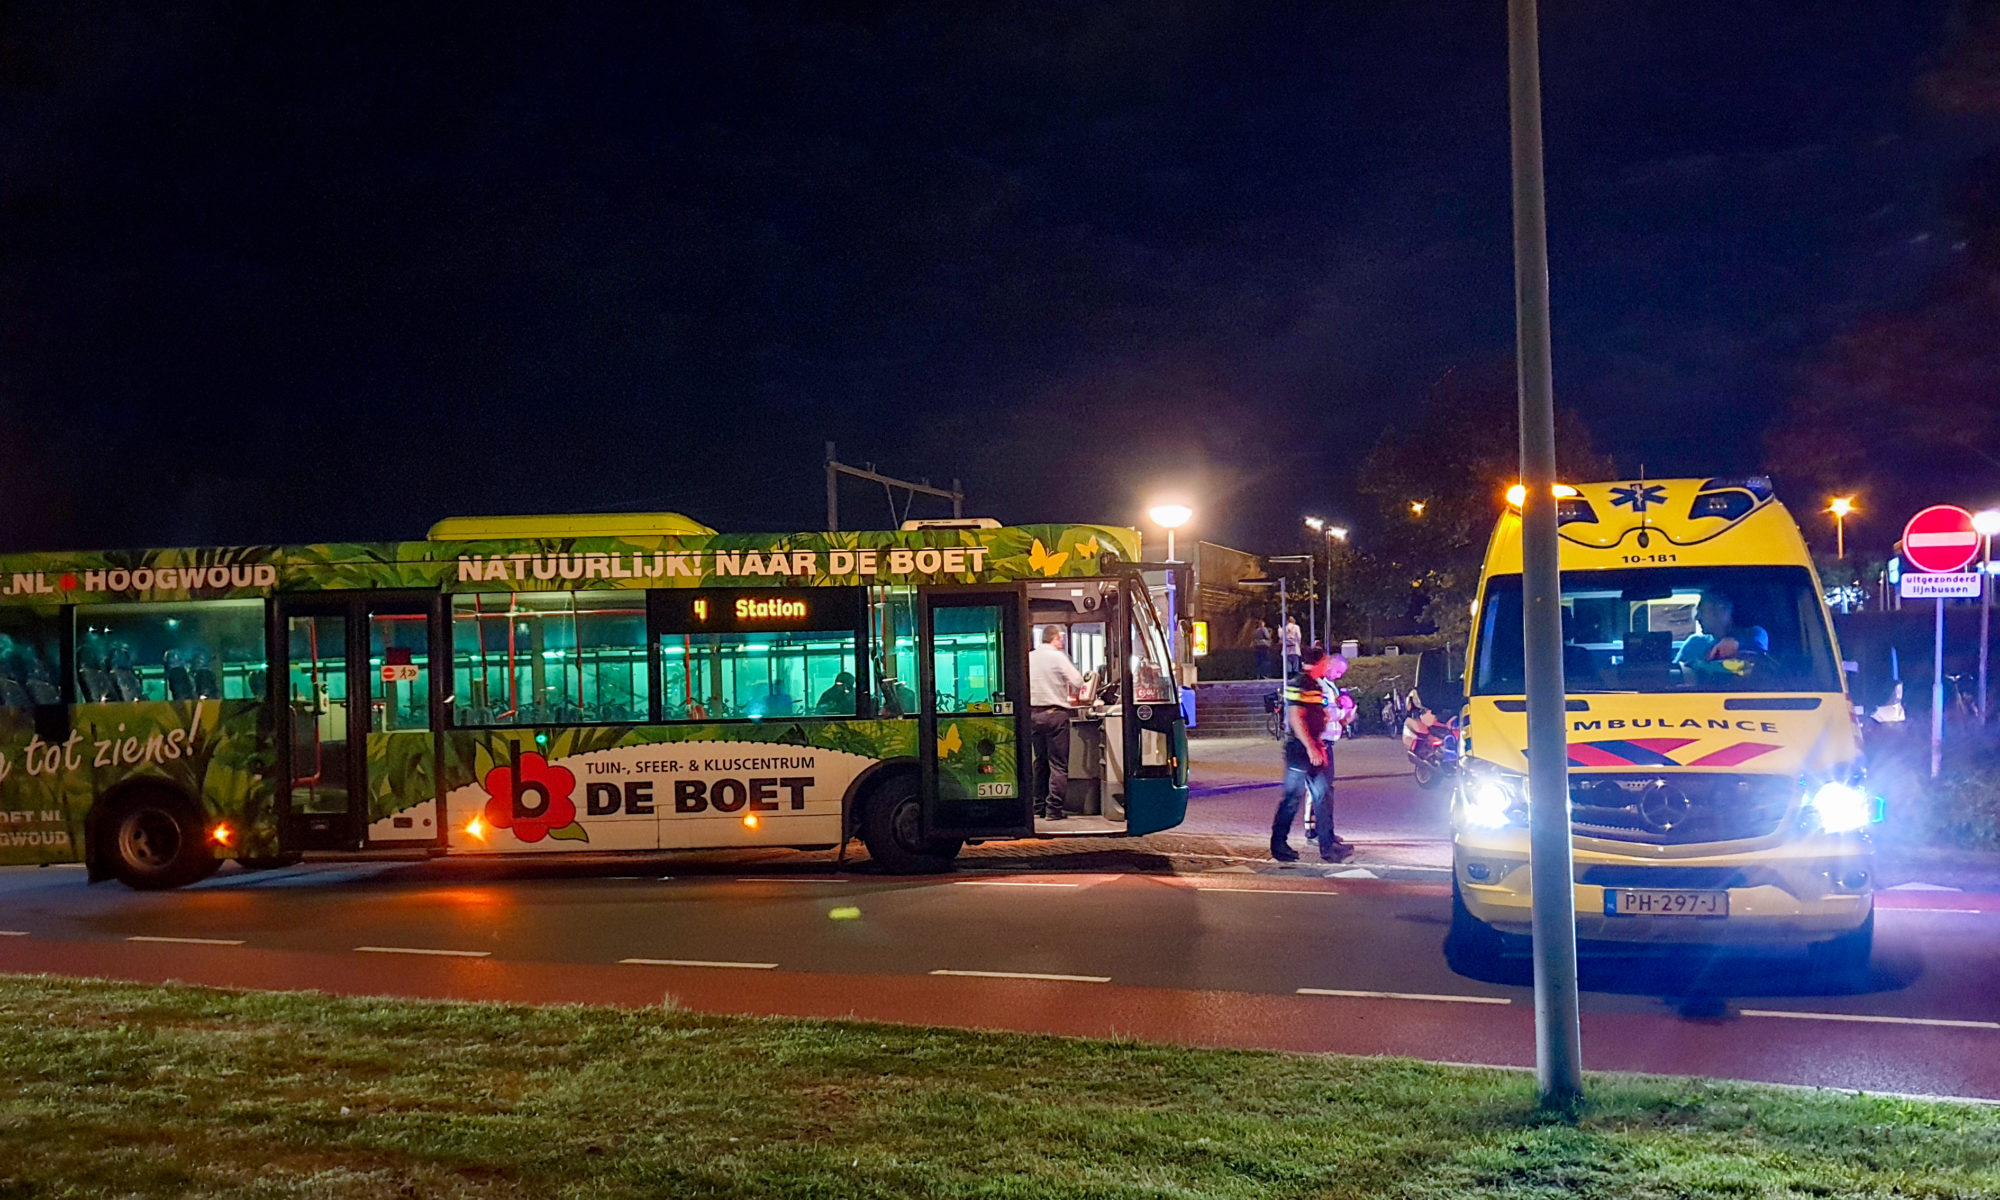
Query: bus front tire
x,y
892,829
155,839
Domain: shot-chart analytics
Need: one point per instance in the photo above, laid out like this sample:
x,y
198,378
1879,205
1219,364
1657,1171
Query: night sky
x,y
296,272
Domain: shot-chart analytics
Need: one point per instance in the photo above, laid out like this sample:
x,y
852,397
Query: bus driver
x,y
1053,685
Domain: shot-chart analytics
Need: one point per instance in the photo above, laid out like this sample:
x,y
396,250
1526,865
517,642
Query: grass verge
x,y
112,1089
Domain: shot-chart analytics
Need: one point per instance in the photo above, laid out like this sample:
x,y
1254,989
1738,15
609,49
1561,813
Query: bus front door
x,y
973,729
1154,732
360,745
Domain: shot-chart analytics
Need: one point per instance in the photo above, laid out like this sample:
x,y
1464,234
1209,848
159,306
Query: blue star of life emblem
x,y
1638,496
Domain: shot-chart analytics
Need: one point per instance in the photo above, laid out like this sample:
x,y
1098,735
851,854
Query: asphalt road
x,y
1212,951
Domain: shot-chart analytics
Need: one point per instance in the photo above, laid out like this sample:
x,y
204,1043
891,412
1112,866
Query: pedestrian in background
x,y
1261,645
1291,645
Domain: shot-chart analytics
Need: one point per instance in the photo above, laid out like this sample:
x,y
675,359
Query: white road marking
x,y
1866,1019
1922,887
189,941
423,950
1209,887
780,879
1028,975
1353,995
13,933
696,962
1010,883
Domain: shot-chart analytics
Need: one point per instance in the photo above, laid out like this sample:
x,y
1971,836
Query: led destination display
x,y
742,610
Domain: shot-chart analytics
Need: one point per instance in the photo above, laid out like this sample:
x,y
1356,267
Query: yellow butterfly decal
x,y
950,743
1087,549
1041,560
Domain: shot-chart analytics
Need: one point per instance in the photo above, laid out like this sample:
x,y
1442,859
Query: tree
x,y
1436,484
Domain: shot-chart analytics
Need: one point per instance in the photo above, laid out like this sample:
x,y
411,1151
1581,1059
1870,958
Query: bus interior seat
x,y
124,683
39,681
207,686
93,685
180,685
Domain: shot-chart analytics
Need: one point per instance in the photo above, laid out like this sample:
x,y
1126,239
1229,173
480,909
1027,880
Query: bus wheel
x,y
892,829
154,840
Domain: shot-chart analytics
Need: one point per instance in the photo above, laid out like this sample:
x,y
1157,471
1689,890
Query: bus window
x,y
1152,673
540,658
1085,645
893,617
198,650
399,658
754,676
29,661
966,657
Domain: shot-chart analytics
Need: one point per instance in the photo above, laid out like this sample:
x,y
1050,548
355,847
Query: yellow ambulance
x,y
1716,786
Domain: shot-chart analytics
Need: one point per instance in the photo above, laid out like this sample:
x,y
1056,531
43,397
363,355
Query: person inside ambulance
x,y
1722,650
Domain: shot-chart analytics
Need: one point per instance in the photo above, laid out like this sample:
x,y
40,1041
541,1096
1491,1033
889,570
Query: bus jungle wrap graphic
x,y
887,557
209,748
647,787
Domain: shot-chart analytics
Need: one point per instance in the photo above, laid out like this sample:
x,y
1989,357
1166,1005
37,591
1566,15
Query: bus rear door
x,y
360,743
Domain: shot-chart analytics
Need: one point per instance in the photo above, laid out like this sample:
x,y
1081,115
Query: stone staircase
x,y
1231,709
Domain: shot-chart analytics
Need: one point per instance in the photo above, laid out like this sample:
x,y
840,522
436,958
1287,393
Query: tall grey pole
x,y
1558,1033
1937,692
832,490
1985,617
1329,595
1312,613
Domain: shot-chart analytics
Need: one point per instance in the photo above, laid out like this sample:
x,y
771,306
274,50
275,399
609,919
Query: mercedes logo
x,y
1663,809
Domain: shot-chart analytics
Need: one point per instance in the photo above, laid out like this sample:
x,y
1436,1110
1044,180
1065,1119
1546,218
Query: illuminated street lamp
x,y
1417,507
1333,533
1985,523
1170,517
1840,507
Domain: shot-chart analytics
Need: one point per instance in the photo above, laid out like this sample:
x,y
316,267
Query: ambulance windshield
x,y
1669,629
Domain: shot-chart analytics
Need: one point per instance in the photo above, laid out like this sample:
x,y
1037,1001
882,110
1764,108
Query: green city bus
x,y
572,684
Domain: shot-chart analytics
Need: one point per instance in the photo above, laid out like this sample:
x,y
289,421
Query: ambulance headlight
x,y
1492,800
1841,807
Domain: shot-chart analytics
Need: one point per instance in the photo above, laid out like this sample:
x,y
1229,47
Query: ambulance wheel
x,y
154,839
1472,947
892,829
1845,958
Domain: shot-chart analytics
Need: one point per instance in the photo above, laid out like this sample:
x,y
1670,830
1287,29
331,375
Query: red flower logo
x,y
536,803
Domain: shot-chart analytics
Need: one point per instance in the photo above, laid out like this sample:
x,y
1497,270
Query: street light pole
x,y
1985,523
1558,1032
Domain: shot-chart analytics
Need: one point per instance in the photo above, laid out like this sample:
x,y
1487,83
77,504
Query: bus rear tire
x,y
155,839
892,829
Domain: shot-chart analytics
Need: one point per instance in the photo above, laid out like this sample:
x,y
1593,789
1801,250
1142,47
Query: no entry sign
x,y
1940,539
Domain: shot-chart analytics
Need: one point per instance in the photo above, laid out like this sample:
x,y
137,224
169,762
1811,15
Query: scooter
x,y
1433,747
